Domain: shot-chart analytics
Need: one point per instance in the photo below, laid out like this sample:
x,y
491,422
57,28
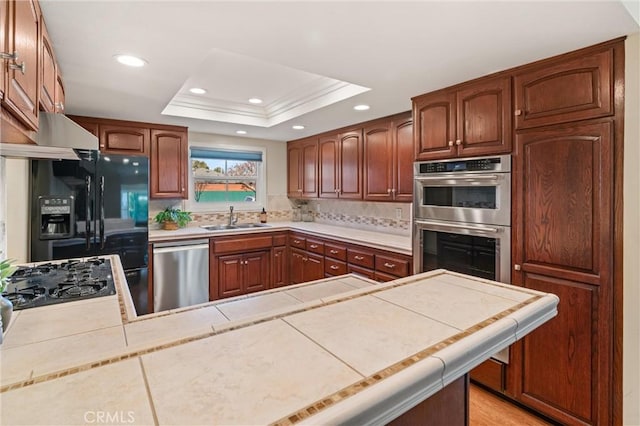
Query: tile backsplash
x,y
373,216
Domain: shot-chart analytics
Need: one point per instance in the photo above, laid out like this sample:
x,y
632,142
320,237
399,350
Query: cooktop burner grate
x,y
51,283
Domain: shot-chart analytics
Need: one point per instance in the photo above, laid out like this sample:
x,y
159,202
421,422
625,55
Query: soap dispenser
x,y
263,216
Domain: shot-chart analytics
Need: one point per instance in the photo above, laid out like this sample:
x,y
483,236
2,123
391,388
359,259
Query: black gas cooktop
x,y
50,283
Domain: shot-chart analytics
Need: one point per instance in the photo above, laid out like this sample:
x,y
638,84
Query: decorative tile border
x,y
336,397
382,224
214,218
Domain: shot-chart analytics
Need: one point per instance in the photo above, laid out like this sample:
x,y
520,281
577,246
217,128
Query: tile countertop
x,y
339,350
398,243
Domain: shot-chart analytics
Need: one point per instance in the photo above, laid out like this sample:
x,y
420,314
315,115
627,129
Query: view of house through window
x,y
224,176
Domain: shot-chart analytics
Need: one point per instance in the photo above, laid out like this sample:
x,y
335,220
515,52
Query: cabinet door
x,y
328,153
229,273
256,271
296,269
120,139
435,127
378,167
4,16
313,267
310,168
22,85
168,164
60,97
279,267
48,73
403,160
294,169
484,118
350,165
563,210
569,90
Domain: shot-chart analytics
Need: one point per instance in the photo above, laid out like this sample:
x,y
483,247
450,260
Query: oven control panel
x,y
486,164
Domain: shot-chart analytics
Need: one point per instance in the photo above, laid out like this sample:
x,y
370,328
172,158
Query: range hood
x,y
58,137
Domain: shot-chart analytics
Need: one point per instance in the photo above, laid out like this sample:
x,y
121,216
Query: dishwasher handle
x,y
172,249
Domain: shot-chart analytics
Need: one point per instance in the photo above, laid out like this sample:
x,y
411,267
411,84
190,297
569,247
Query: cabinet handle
x,y
313,246
305,259
393,190
388,191
296,241
458,142
334,267
59,106
22,67
333,251
358,257
389,265
517,112
450,143
517,267
9,56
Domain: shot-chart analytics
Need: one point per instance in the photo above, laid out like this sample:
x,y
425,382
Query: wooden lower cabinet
x,y
305,266
279,267
242,273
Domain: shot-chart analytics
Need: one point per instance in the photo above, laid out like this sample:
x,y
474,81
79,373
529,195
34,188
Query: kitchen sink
x,y
236,226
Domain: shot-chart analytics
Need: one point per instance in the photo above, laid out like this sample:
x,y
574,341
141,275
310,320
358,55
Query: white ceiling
x,y
234,49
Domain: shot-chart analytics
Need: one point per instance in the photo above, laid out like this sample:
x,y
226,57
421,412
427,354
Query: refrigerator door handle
x,y
87,226
101,212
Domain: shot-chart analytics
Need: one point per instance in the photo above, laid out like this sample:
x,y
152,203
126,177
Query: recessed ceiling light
x,y
361,107
255,100
297,127
241,132
131,61
197,91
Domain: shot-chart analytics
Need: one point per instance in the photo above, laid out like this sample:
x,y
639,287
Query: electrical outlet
x,y
398,213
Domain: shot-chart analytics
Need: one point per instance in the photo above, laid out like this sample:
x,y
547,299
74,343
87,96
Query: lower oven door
x,y
480,250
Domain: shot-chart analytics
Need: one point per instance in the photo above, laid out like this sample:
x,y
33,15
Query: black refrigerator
x,y
93,206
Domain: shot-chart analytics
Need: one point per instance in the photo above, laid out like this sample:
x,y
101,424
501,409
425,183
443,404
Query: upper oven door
x,y
464,197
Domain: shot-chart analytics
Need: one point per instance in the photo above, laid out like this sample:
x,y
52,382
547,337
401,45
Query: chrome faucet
x,y
232,219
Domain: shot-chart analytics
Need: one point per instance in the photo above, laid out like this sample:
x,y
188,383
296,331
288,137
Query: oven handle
x,y
462,178
487,229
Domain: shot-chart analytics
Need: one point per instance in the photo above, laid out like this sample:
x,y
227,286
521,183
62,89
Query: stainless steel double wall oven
x,y
462,216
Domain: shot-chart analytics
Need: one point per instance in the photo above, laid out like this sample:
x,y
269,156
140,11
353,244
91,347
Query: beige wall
x,y
631,258
16,181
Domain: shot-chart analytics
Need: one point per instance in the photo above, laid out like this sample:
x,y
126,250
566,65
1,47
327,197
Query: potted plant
x,y
172,218
6,307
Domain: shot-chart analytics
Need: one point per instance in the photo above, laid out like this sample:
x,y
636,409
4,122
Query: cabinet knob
x,y
518,112
458,142
517,267
450,143
388,190
393,190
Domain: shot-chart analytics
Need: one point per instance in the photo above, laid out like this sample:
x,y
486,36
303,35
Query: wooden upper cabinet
x,y
169,164
22,85
124,139
4,16
302,168
470,120
340,165
565,90
60,96
48,78
388,160
434,127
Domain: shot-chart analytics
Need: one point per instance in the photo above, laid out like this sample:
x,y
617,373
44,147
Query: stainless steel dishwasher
x,y
180,274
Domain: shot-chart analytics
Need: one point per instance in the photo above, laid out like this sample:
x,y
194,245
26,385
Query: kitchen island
x,y
334,351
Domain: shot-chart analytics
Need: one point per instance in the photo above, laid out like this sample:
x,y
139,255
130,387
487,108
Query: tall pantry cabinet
x,y
567,164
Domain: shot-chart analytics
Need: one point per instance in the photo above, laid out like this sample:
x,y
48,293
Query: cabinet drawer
x,y
490,373
315,246
392,265
242,244
367,273
360,258
297,241
335,251
383,278
334,267
279,240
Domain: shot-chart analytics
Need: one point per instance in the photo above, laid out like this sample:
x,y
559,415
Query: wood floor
x,y
486,409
